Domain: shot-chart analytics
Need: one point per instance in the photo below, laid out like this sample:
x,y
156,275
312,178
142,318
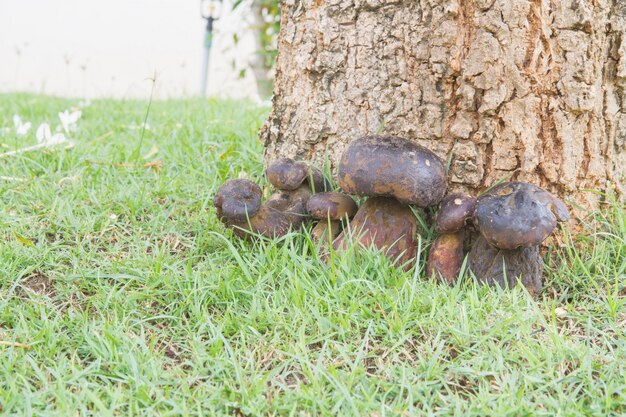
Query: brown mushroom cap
x,y
515,214
389,166
285,174
455,209
237,200
335,206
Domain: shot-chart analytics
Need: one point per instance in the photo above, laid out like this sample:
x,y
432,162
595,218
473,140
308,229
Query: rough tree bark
x,y
528,89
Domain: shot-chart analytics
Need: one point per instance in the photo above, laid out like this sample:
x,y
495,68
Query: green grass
x,y
136,301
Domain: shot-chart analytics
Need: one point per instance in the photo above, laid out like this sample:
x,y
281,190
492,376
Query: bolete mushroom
x,y
446,253
285,174
454,211
330,208
238,205
292,203
237,200
389,166
513,218
393,172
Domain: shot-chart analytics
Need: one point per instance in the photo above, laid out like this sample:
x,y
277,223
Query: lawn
x,y
121,294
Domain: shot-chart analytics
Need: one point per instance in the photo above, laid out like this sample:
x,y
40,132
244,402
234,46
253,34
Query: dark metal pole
x,y
208,41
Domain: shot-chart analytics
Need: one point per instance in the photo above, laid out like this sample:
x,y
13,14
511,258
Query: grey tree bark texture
x,y
531,90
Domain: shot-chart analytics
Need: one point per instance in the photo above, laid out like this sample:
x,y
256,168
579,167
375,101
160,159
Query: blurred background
x,y
92,49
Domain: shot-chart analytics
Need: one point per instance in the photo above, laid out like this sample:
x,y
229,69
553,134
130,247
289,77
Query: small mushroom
x,y
237,200
285,174
446,253
330,208
513,218
386,224
396,172
455,210
282,212
292,203
331,205
267,222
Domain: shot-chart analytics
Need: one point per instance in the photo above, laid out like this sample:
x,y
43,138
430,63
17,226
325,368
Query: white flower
x,y
43,132
68,120
45,136
20,127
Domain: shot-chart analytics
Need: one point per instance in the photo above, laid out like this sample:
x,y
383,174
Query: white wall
x,y
89,48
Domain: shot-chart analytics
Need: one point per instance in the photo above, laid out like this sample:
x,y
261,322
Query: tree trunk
x,y
526,90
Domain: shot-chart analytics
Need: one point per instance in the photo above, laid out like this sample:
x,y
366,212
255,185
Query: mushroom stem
x,y
503,267
446,257
386,224
326,230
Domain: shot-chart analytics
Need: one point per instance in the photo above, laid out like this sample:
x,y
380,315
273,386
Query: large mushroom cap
x,y
237,200
331,205
515,214
455,209
389,166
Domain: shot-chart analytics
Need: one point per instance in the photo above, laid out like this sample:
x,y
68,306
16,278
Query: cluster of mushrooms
x,y
500,230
